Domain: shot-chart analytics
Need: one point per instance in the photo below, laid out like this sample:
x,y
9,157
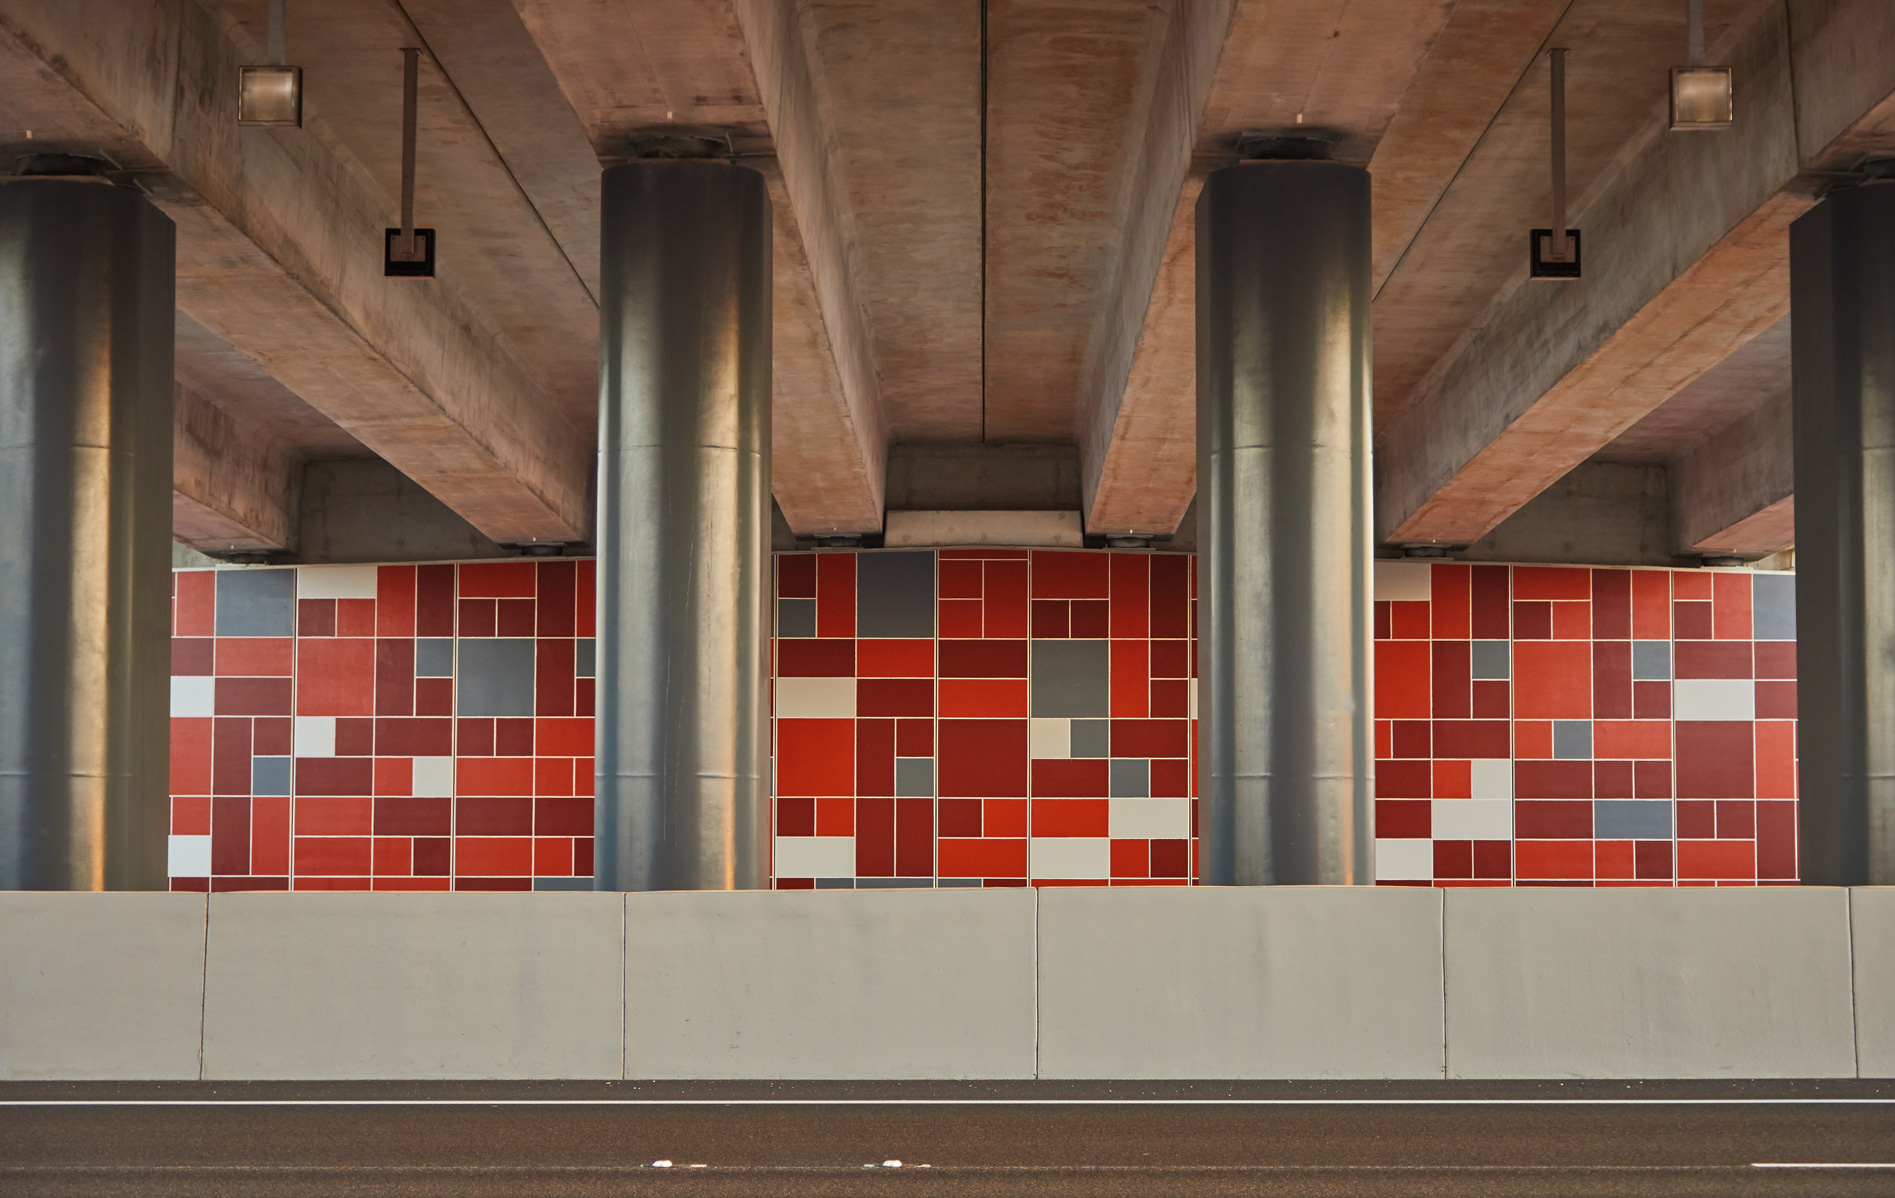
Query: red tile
x,y
797,816
1651,779
1776,841
1151,738
1693,620
1471,738
1006,600
1070,575
393,855
835,817
961,619
1533,738
1715,759
983,698
1052,619
1493,859
479,617
584,774
315,617
988,858
1776,659
1651,605
1450,592
195,602
1401,680
960,817
271,736
552,776
434,601
1690,584
835,594
1572,621
1131,680
1490,603
568,736
553,677
1651,700
914,838
1403,779
475,737
320,856
1170,698
1552,680
1170,659
394,677
1612,780
960,579
1776,700
1453,780
1553,858
497,580
1612,604
1614,858
552,858
1451,680
1712,659
1632,738
191,756
406,816
253,696
249,656
494,776
815,757
582,698
875,837
979,758
1552,779
1170,858
585,625
1091,619
515,617
394,776
796,575
493,856
1412,739
335,776
355,736
1080,777
1170,778
270,834
1736,859
1551,582
1730,604
1384,738
1612,680
193,656
1003,817
1171,594
190,815
894,658
983,659
355,617
335,815
1453,859
1532,620
1493,700
1409,620
797,658
874,758
897,697
431,857
557,607
1402,818
1131,595
1131,859
335,677
914,738
1776,759
394,601
1071,817
1736,819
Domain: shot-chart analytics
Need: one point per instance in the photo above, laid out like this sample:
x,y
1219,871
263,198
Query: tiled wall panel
x,y
980,717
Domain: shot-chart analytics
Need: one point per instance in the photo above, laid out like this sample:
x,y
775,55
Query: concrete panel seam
x,y
1036,982
203,985
1441,931
1855,1018
625,955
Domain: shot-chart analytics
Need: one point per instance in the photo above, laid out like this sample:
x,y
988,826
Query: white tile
x,y
815,857
193,696
1493,778
1714,699
1151,819
1047,738
335,582
434,777
1473,819
1192,691
815,698
1408,581
189,857
1069,857
1404,860
315,736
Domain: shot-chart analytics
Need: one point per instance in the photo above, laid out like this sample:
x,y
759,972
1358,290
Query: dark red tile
x,y
815,658
192,656
431,856
582,697
1452,678
1170,778
398,736
394,676
355,736
1384,620
1493,700
230,757
1712,659
1170,595
1402,818
1131,595
1170,858
1776,700
1091,619
230,835
983,659
479,617
1403,779
1776,840
553,667
1453,859
1651,700
1612,605
1490,603
1776,659
1736,819
797,816
253,696
491,816
434,696
875,757
1472,738
875,837
1170,698
1079,575
1552,780
835,594
271,736
484,883
475,737
1493,859
1079,778
1552,820
1450,593
513,737
1412,739
796,575
1052,619
515,617
557,607
1697,819
434,601
914,838
1651,779
1151,738
1692,620
414,817
1715,759
960,817
894,697
1532,620
1651,860
562,815
1612,679
1612,780
335,776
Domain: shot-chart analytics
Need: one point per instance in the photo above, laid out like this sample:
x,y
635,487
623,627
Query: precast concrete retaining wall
x,y
1058,983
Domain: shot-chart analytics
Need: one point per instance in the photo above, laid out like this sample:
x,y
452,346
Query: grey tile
x,y
1492,659
269,775
894,594
1070,678
1092,738
434,657
1651,660
562,883
586,657
1631,819
256,602
914,777
1572,739
796,617
496,676
835,883
894,883
1131,779
1773,607
960,883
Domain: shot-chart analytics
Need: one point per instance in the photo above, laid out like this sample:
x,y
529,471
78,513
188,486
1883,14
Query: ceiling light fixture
x,y
1550,256
1700,95
408,252
271,95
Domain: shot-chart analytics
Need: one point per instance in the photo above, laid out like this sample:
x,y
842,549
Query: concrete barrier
x,y
830,984
1648,983
304,986
1872,938
100,985
1250,982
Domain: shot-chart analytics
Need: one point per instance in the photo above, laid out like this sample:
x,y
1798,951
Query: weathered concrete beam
x,y
1600,514
1735,492
279,254
1687,260
233,488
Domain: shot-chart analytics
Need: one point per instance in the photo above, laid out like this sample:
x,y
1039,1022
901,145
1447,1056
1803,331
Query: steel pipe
x,y
1842,351
684,527
1283,499
87,308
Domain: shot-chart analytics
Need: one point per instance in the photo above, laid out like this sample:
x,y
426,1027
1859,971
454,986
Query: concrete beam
x,y
744,68
232,488
1225,67
1735,492
1687,260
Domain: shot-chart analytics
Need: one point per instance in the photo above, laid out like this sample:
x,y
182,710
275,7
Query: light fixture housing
x,y
398,264
270,96
1541,262
1701,98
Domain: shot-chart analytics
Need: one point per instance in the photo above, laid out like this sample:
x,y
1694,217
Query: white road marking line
x,y
1820,1165
696,1102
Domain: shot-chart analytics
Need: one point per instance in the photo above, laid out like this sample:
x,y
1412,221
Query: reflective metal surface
x,y
87,306
1283,505
1842,349
684,527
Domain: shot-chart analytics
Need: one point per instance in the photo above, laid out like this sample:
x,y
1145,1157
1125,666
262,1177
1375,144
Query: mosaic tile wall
x,y
979,717
383,727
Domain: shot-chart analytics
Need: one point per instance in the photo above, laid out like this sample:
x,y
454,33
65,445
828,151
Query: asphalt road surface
x,y
1600,1140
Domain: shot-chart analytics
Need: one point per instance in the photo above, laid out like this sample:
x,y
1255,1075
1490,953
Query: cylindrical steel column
x,y
1842,294
1283,501
87,309
684,527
